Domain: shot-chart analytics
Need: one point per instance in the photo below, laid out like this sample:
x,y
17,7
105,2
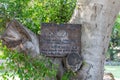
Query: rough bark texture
x,y
97,17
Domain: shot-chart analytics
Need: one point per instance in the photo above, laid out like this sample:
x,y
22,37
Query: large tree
x,y
97,18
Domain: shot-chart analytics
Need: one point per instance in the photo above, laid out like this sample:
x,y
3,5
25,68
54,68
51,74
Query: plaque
x,y
59,40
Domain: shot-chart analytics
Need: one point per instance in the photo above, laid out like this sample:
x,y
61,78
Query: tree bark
x,y
97,18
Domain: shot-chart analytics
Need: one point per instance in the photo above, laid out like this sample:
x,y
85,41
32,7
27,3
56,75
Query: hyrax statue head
x,y
74,62
17,37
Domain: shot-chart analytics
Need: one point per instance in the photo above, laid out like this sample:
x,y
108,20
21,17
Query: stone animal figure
x,y
17,37
74,62
108,76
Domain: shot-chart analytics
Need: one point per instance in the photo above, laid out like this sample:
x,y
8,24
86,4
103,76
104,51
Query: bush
x,y
33,12
26,67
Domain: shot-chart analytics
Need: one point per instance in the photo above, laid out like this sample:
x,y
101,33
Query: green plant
x,y
114,41
33,12
67,75
26,67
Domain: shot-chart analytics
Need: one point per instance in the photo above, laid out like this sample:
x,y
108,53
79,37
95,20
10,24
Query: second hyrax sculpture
x,y
17,37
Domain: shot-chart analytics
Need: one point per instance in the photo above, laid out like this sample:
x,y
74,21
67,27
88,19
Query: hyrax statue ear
x,y
17,31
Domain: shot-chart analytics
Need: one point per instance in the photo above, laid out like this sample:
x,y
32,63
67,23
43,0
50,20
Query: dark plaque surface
x,y
60,40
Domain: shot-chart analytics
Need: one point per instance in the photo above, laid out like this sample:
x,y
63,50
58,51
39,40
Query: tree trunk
x,y
97,18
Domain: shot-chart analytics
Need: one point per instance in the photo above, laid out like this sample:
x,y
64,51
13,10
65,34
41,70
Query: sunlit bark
x,y
97,18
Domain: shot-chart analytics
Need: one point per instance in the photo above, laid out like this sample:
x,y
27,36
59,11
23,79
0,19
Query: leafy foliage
x,y
67,75
34,12
115,39
26,67
31,13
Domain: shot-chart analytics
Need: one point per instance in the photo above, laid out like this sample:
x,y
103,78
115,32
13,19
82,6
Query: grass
x,y
115,70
